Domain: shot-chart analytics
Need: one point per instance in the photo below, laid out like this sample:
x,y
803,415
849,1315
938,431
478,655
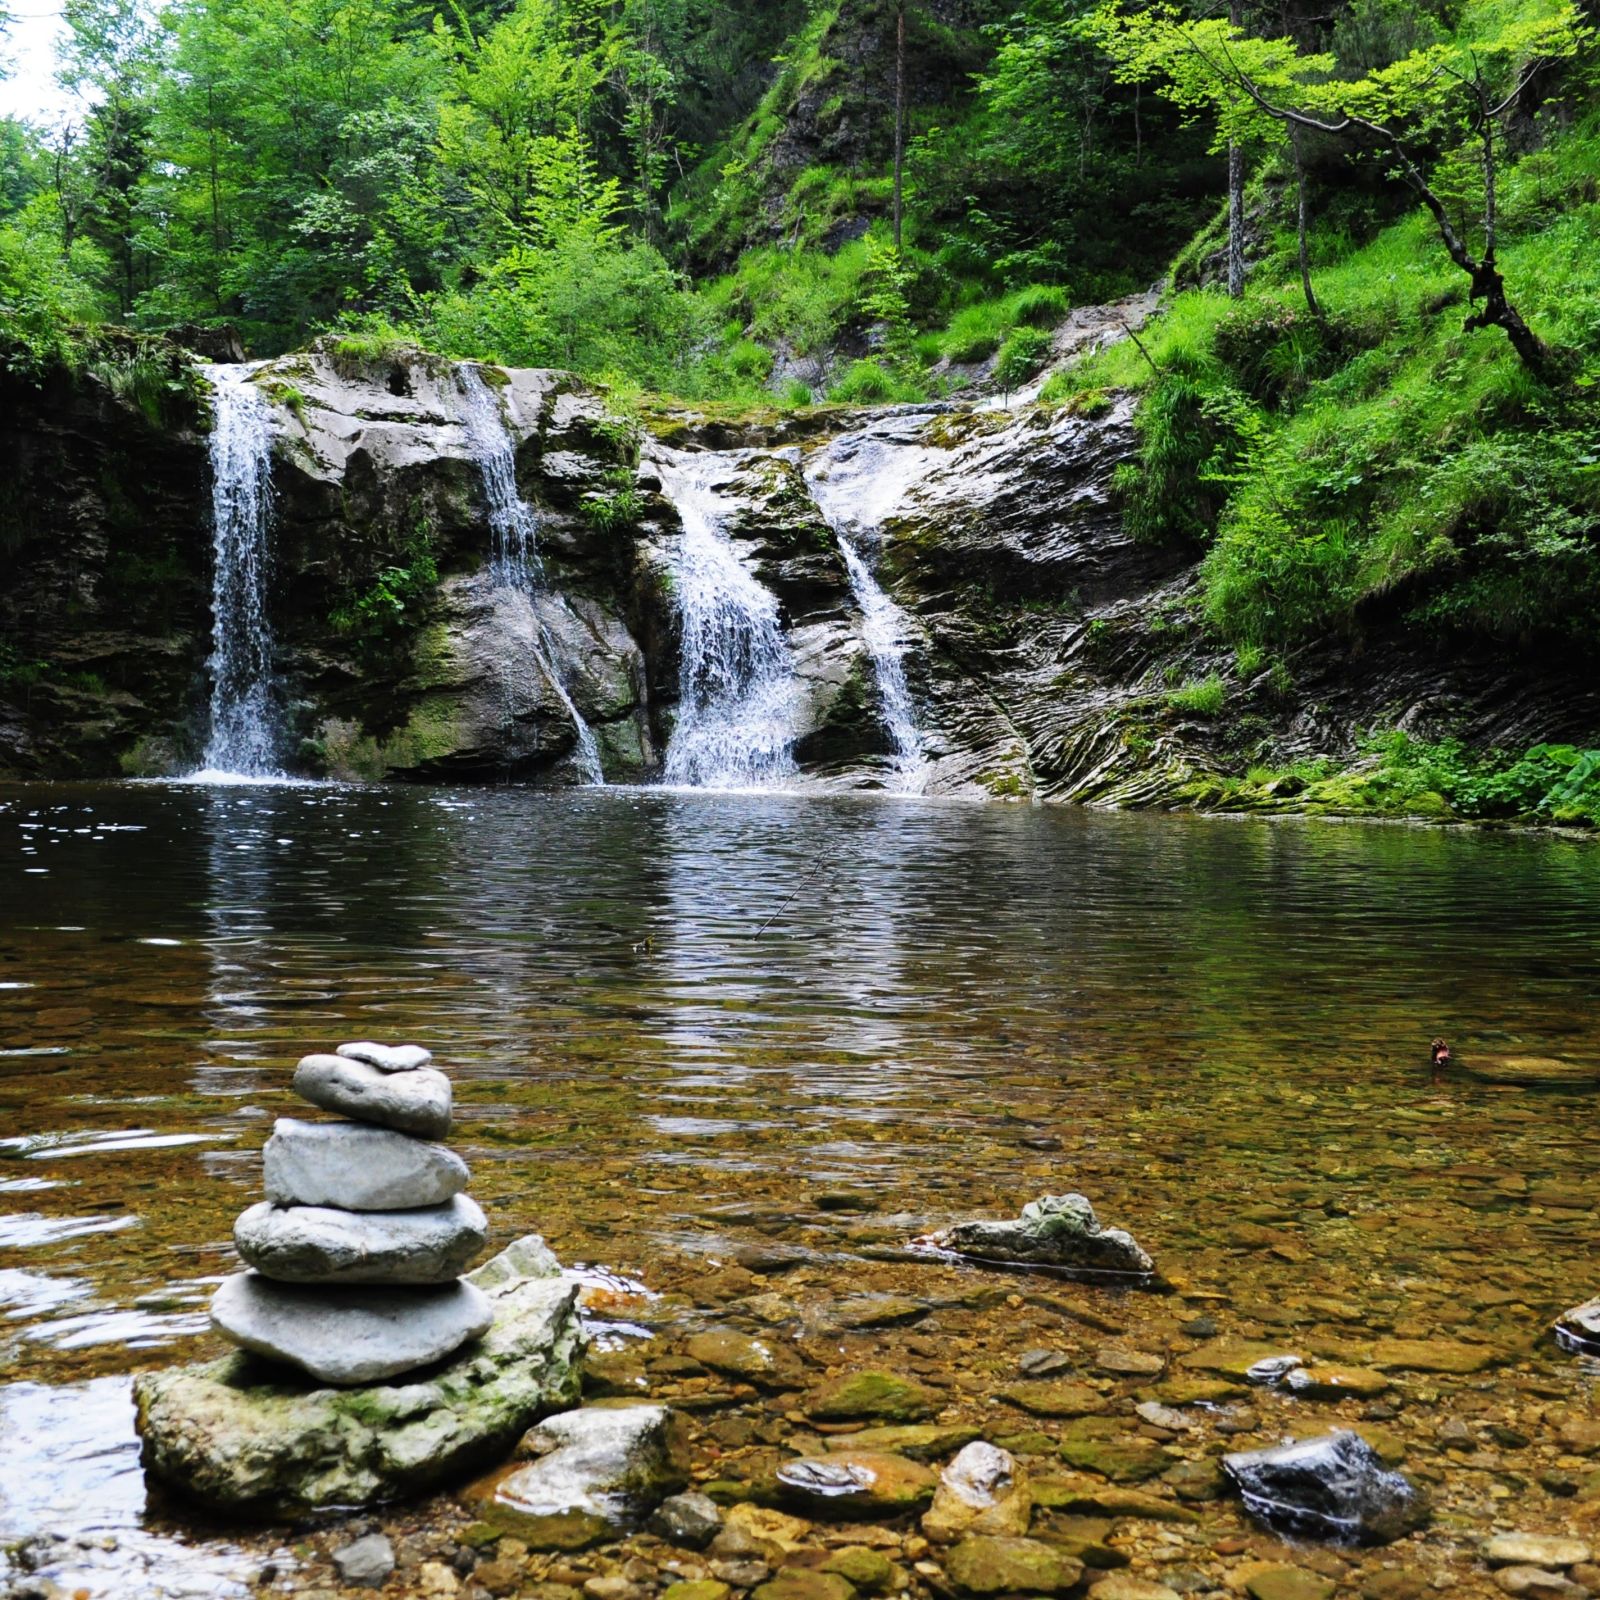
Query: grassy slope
x,y
1388,469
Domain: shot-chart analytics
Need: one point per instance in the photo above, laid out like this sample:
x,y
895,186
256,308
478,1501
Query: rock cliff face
x,y
1040,643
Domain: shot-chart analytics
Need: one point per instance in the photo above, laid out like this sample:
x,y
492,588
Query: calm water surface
x,y
673,1018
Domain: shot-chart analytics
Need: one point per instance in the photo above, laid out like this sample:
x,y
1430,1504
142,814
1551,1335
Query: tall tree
x,y
111,59
899,116
1455,94
1235,188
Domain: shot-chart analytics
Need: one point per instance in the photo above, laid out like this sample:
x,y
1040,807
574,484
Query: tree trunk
x,y
1235,220
899,115
1235,193
1302,229
1498,312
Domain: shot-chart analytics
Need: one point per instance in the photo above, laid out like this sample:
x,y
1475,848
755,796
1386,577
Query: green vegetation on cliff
x,y
1367,399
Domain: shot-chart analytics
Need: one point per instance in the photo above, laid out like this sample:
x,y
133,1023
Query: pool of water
x,y
673,1018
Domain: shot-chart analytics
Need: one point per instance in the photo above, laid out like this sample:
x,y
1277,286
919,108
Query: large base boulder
x,y
1056,1230
250,1436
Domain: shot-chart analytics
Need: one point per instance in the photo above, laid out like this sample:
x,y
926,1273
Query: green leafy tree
x,y
275,123
531,78
1457,94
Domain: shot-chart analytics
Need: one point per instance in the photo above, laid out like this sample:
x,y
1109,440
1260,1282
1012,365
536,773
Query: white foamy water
x,y
857,481
737,691
515,562
243,741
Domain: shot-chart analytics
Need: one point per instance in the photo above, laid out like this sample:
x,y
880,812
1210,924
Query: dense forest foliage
x,y
1370,391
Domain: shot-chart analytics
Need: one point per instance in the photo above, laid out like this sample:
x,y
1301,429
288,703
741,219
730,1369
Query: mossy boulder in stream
x,y
1056,1230
248,1436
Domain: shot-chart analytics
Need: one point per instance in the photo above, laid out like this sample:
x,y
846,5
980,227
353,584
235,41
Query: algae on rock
x,y
245,1436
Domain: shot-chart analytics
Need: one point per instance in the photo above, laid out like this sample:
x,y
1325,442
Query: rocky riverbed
x,y
826,1432
967,1009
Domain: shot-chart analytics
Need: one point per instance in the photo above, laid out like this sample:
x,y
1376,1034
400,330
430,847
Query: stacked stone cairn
x,y
357,1251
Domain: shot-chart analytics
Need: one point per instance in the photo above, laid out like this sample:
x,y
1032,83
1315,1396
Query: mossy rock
x,y
878,1396
921,1441
981,1565
1098,1444
805,1583
863,1568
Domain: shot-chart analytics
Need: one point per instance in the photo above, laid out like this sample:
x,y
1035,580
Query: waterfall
x,y
737,691
854,485
244,734
883,628
514,562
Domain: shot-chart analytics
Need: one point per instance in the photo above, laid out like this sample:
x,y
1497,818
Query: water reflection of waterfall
x,y
737,691
856,481
515,566
786,991
244,736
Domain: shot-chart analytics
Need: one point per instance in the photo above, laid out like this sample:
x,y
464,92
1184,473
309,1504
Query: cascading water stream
x,y
514,562
854,486
737,691
243,740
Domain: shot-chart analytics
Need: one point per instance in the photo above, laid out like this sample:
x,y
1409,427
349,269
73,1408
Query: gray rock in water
x,y
319,1244
366,1563
609,1461
1330,1487
387,1057
239,1436
416,1102
690,1520
1578,1329
1056,1230
350,1335
527,1257
357,1168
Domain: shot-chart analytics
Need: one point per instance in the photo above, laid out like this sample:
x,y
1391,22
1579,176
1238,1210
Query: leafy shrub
x,y
1026,349
46,294
1276,351
1552,781
618,507
395,599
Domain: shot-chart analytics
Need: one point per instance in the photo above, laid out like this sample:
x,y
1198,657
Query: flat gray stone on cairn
x,y
319,1244
349,1336
357,1168
415,1102
387,1057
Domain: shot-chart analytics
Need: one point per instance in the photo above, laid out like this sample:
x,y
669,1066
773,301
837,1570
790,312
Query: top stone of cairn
x,y
387,1057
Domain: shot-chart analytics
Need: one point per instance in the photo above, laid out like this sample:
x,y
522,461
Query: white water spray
x,y
854,487
243,741
514,561
737,691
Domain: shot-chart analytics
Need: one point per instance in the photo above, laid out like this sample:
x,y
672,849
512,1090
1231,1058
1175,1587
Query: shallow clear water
x,y
673,1017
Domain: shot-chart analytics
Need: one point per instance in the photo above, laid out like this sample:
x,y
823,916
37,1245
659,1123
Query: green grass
x,y
1201,697
1383,461
976,331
